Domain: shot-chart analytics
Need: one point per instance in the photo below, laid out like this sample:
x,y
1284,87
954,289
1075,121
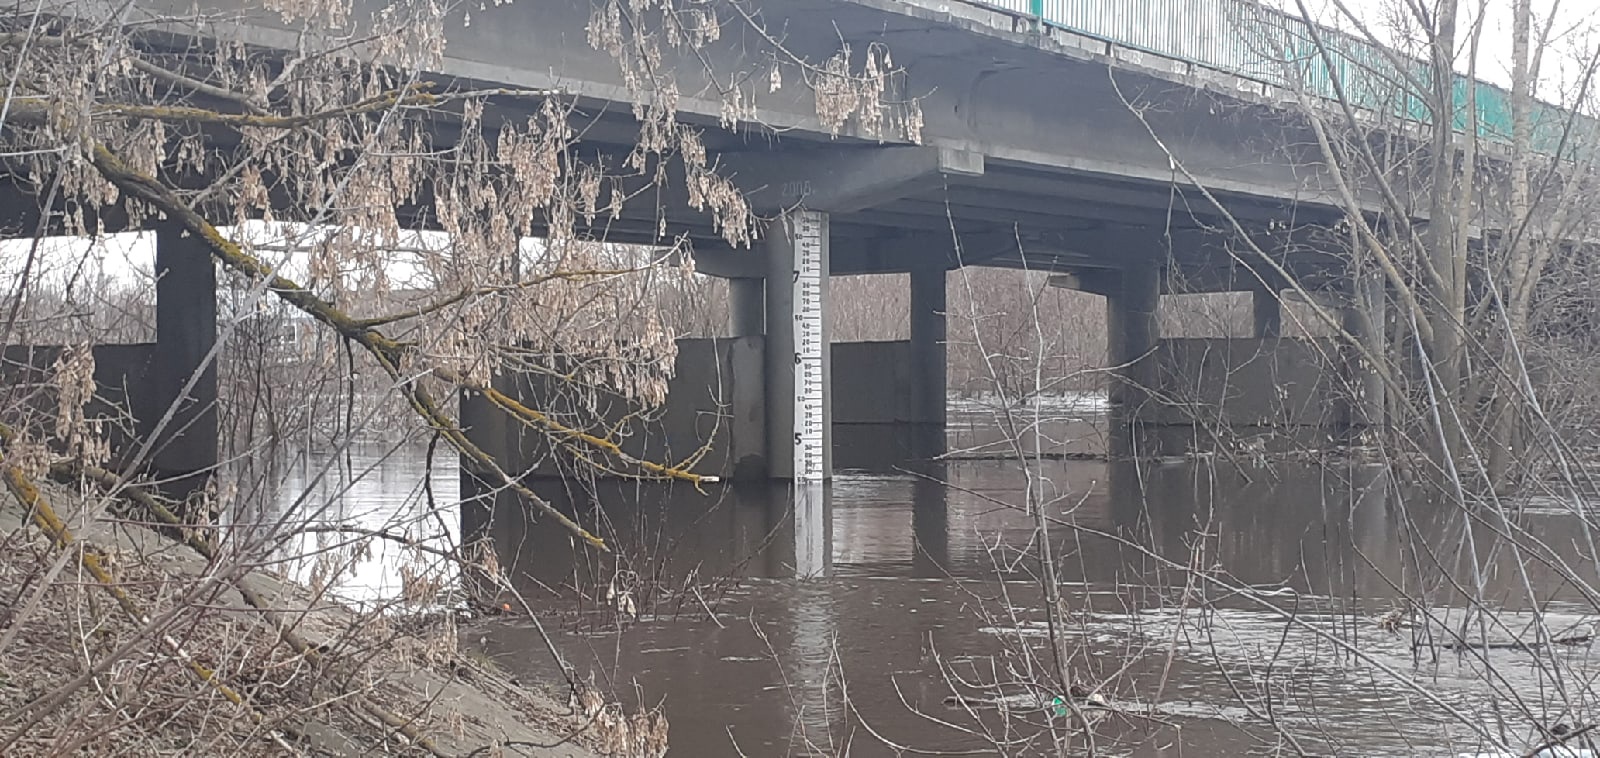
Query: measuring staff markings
x,y
807,230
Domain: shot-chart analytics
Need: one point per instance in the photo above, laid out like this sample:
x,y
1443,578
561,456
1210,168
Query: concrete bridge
x,y
1130,147
1048,142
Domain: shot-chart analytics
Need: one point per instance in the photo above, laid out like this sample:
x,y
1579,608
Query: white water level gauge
x,y
808,230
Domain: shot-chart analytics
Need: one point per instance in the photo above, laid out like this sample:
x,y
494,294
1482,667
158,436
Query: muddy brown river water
x,y
1219,605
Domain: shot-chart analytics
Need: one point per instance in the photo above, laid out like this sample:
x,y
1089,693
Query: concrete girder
x,y
909,253
921,218
1331,298
1193,280
725,262
985,99
998,206
1208,260
1194,263
844,180
22,215
1176,199
1097,281
983,86
1030,216
1201,279
1202,244
867,255
1105,281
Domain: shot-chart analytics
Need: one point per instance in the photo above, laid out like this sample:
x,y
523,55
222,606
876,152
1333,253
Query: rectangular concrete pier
x,y
182,372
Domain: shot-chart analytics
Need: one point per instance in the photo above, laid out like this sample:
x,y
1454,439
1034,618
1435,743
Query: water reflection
x,y
331,506
930,523
841,616
913,588
811,534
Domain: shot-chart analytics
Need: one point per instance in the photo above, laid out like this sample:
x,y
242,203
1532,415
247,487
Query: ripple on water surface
x,y
922,592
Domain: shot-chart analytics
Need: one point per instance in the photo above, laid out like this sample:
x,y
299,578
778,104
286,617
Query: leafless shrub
x,y
336,151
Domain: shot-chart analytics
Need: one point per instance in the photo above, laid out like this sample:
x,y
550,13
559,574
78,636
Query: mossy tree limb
x,y
48,521
388,353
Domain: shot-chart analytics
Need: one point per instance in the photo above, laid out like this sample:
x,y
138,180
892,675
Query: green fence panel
x,y
1249,39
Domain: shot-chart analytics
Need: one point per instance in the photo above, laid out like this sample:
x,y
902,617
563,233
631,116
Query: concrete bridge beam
x,y
844,180
1095,281
852,255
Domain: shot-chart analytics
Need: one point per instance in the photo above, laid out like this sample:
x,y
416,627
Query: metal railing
x,y
1249,39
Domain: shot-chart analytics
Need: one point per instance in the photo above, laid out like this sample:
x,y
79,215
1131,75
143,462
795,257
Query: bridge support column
x,y
929,354
1364,318
747,307
1268,311
1132,335
487,428
799,410
930,523
186,331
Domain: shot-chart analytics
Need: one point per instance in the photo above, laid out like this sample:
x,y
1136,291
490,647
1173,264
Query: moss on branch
x,y
71,472
544,422
386,351
49,522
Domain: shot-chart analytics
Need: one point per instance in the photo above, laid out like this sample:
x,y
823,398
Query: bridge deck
x,y
1051,150
1251,40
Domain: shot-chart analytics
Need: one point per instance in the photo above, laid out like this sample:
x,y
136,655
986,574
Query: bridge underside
x,y
1049,152
1034,154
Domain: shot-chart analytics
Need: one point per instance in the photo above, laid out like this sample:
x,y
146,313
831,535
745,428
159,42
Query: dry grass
x,y
93,680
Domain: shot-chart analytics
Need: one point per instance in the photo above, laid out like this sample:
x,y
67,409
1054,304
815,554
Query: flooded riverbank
x,y
1219,608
